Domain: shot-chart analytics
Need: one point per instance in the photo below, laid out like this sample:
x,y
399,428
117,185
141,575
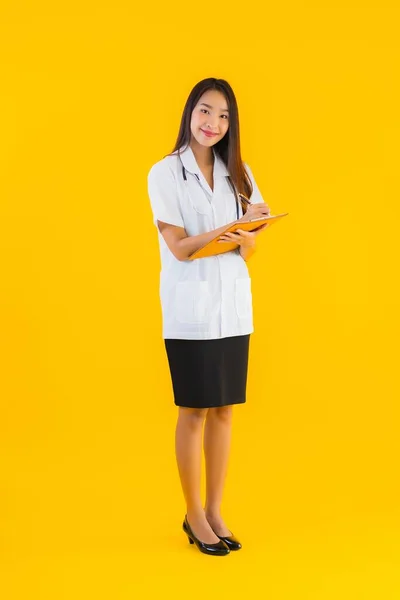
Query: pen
x,y
244,198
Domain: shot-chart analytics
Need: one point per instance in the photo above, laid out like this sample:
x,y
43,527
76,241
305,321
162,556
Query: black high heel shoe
x,y
232,542
218,549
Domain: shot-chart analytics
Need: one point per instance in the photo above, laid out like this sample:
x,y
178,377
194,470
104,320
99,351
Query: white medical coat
x,y
207,298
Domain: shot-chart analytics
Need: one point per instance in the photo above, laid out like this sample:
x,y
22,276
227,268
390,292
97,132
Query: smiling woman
x,y
210,126
207,302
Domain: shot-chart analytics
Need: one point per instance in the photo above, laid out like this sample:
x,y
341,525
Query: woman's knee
x,y
193,417
221,413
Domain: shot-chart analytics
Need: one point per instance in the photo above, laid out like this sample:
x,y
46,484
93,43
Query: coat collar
x,y
190,163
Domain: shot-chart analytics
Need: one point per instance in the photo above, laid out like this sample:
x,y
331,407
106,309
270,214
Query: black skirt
x,y
209,373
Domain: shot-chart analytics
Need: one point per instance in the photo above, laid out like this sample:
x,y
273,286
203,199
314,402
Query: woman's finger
x,y
225,238
244,233
232,235
261,228
259,209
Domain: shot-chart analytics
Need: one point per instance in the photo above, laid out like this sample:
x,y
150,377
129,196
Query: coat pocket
x,y
243,298
192,302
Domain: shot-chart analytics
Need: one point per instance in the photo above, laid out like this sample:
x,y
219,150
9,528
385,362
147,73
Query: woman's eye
x,y
224,116
203,110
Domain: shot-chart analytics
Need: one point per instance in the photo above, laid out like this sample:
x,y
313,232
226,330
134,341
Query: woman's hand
x,y
256,211
245,239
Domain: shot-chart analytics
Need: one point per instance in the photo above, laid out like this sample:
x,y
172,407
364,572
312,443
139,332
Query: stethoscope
x,y
184,175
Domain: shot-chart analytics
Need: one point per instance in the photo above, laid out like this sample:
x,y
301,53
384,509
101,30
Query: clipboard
x,y
213,247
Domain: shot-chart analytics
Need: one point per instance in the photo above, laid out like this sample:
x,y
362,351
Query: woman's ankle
x,y
212,513
195,512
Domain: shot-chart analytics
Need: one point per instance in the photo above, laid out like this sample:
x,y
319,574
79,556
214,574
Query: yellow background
x,y
91,96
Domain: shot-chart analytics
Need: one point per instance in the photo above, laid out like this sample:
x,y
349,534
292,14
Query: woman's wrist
x,y
247,251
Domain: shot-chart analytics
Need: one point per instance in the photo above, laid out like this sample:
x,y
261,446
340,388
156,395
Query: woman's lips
x,y
209,133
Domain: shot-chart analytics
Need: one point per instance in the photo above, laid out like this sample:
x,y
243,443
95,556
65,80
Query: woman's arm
x,y
182,245
247,252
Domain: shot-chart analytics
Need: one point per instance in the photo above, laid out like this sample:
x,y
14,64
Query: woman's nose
x,y
212,123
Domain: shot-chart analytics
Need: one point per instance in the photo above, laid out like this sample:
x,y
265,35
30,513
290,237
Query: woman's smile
x,y
209,134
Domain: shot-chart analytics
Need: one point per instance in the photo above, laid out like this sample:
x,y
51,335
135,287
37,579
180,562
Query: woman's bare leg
x,y
188,446
217,440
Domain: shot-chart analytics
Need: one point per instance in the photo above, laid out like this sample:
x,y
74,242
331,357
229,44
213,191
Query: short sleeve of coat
x,y
256,196
163,194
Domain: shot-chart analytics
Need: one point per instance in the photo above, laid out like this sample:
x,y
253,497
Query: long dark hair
x,y
228,149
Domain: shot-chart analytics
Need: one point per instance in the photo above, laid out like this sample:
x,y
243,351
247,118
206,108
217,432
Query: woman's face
x,y
210,118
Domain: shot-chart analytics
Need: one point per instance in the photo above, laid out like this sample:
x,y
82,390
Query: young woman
x,y
206,303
